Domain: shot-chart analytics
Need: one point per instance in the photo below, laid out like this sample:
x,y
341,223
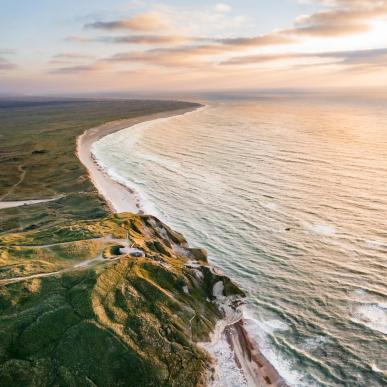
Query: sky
x,y
54,46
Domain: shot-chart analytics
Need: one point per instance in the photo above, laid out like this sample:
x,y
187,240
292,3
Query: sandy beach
x,y
256,368
119,197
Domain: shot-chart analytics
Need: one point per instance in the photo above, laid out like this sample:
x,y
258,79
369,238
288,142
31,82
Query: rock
x,y
39,151
132,252
137,253
199,254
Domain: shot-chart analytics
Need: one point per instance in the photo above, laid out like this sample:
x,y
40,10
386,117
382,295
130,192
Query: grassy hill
x,y
73,310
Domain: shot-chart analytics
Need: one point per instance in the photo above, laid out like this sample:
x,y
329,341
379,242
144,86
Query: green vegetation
x,y
37,156
124,322
73,311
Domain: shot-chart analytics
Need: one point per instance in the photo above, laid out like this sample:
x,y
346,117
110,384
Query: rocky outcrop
x,y
127,321
199,254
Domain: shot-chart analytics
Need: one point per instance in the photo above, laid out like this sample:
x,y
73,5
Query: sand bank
x,y
257,370
119,197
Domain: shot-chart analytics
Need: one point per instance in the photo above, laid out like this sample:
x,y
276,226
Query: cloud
x,y
258,41
222,8
6,51
6,65
160,57
146,39
72,55
136,4
370,57
78,39
67,58
175,45
148,21
343,17
97,66
220,44
191,55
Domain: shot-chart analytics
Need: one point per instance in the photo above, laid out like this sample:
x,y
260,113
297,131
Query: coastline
x,y
257,370
118,196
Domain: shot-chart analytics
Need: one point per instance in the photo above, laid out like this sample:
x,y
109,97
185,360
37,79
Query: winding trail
x,y
76,266
19,203
107,238
80,265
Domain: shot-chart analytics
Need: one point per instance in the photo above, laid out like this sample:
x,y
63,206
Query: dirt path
x,y
77,266
107,238
9,204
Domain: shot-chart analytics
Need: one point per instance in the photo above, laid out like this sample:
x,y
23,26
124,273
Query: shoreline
x,y
119,197
257,370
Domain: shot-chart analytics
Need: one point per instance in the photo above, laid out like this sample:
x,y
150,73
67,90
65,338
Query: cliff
x,y
100,318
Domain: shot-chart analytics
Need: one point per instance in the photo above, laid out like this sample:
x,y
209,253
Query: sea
x,y
288,193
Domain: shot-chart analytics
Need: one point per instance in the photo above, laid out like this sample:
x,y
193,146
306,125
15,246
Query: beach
x,y
119,197
256,369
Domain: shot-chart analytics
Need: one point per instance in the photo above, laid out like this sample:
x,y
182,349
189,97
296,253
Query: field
x,y
75,310
37,156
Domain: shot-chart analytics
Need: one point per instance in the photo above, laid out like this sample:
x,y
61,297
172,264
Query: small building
x,y
131,251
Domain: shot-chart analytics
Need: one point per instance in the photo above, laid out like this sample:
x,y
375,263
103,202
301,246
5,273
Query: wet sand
x,y
257,370
119,197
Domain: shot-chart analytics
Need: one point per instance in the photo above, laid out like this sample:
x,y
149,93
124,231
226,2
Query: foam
x,y
170,165
373,316
373,244
369,311
269,205
377,369
227,372
315,342
323,229
260,331
130,137
141,199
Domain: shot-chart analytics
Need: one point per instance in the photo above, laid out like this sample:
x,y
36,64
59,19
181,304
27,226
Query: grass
x,y
128,322
132,321
37,156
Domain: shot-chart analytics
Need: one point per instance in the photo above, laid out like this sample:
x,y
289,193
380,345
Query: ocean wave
x,y
375,244
369,310
374,316
227,372
313,343
299,237
323,229
260,331
142,201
